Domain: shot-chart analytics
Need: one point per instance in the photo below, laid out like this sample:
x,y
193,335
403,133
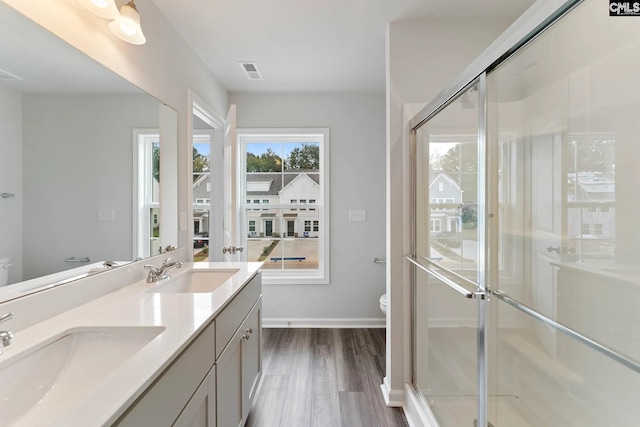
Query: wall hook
x,y
7,195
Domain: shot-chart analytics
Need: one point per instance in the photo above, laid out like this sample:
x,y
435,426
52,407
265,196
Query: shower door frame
x,y
534,24
452,279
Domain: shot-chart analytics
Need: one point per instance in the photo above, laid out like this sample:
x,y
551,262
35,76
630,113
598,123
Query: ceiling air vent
x,y
251,70
5,75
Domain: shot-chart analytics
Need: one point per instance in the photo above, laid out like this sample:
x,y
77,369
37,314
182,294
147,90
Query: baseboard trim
x,y
392,398
323,323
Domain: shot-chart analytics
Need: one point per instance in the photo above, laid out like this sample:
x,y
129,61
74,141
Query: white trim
x,y
417,414
323,323
392,398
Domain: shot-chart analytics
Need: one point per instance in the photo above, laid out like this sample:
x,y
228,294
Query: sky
x,y
257,148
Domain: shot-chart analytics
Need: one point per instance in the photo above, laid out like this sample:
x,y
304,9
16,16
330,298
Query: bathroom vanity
x,y
184,351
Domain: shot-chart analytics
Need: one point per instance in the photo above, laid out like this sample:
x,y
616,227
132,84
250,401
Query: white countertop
x,y
182,315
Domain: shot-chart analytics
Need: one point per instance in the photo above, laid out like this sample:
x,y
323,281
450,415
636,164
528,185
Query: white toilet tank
x,y
5,263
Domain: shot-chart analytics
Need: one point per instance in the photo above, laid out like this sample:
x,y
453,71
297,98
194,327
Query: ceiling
x,y
310,45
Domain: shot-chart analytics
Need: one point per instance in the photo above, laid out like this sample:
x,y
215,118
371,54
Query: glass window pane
x,y
302,156
264,157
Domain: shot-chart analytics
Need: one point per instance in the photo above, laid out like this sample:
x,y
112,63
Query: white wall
x,y
11,180
356,134
423,57
78,152
164,67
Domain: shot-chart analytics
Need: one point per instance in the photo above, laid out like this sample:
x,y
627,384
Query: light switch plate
x,y
357,215
106,215
183,221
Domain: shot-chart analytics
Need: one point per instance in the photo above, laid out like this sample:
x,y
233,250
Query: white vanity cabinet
x,y
239,365
169,396
213,381
201,409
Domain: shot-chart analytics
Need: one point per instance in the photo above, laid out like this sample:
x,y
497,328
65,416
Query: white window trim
x,y
320,276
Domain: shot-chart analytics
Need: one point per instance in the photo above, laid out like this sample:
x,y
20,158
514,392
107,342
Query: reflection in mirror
x,y
206,134
67,152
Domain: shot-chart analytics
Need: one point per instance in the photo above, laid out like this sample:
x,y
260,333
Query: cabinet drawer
x,y
228,321
163,401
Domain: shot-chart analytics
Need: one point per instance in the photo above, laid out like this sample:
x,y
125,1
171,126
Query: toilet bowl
x,y
5,263
383,303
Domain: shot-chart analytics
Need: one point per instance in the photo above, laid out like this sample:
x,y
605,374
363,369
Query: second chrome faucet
x,y
162,272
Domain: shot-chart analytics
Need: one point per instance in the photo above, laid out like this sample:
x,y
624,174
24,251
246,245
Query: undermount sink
x,y
196,281
40,384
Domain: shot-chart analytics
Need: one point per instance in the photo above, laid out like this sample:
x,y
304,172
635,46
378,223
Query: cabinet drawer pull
x,y
246,337
250,330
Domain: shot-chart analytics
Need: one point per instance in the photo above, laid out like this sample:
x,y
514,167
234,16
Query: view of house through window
x,y
201,185
284,209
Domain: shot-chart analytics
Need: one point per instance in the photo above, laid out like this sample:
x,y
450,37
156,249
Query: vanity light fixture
x,y
127,25
104,8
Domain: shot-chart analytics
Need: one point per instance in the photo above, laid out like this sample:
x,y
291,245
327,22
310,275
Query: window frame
x,y
290,135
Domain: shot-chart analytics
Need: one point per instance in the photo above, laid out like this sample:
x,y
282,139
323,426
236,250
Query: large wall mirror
x,y
80,152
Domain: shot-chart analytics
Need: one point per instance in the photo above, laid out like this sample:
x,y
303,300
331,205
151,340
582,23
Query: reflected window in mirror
x,y
147,207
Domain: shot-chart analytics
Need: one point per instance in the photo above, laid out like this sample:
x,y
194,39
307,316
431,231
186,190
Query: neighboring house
x,y
201,196
275,188
445,196
591,206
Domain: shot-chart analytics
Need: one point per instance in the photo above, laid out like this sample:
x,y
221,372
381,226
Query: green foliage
x,y
266,162
305,158
460,163
200,164
155,156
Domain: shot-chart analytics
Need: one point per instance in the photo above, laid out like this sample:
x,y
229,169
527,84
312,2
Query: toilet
x,y
383,303
5,263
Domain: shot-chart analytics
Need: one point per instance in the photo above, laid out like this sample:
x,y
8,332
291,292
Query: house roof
x,y
278,181
434,175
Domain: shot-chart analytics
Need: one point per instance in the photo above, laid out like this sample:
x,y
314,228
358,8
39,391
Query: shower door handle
x,y
444,279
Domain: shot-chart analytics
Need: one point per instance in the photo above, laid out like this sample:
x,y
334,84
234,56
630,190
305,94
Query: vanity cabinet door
x,y
252,356
229,383
201,409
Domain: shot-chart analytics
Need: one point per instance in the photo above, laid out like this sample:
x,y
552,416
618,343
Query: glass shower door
x,y
447,259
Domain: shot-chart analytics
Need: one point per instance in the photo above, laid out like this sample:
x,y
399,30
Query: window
x,y
597,229
252,225
290,167
436,225
441,186
586,228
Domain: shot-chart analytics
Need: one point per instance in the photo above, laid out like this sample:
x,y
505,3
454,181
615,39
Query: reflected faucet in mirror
x,y
5,336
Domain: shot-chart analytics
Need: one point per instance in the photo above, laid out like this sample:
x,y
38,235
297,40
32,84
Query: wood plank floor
x,y
323,378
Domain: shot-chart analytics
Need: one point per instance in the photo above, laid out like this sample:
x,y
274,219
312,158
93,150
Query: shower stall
x,y
526,232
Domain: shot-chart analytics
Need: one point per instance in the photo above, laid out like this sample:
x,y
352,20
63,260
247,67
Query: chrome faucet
x,y
159,273
5,336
